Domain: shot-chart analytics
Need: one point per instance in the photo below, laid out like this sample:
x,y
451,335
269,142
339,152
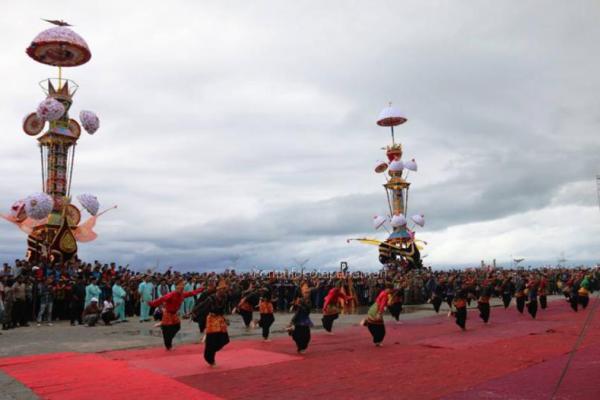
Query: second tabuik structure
x,y
401,249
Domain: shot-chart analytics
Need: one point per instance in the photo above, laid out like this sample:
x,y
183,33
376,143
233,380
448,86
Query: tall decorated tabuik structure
x,y
401,249
51,220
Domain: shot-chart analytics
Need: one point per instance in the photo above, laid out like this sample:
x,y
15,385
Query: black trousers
x,y
214,342
169,332
521,304
20,313
506,297
395,310
461,317
265,322
327,321
202,322
108,316
532,307
574,300
60,309
484,311
28,309
437,302
377,332
543,302
75,310
583,300
301,335
246,316
449,300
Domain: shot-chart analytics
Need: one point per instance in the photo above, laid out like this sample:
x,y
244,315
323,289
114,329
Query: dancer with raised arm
x,y
170,322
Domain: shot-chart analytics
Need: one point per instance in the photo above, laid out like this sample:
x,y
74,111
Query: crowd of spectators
x,y
85,293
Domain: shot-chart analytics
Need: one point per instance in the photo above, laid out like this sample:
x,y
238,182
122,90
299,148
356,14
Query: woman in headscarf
x,y
532,297
483,303
246,306
299,328
265,308
460,305
200,310
216,324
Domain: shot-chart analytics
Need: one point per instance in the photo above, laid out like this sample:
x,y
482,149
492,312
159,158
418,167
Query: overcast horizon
x,y
238,133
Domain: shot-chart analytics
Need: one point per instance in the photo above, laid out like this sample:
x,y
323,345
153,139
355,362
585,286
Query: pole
x,y
71,170
43,172
393,139
389,203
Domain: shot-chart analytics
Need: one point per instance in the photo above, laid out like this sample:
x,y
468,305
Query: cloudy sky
x,y
244,132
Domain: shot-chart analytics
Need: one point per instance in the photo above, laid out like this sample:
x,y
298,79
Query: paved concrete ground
x,y
62,337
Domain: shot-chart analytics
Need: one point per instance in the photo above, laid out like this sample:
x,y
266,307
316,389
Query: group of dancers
x,y
458,292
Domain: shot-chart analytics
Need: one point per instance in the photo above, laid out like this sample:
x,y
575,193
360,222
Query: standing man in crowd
x,y
119,295
76,302
92,291
8,299
146,292
45,292
19,308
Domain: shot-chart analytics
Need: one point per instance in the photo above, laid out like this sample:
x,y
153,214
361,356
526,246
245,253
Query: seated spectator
x,y
108,312
91,313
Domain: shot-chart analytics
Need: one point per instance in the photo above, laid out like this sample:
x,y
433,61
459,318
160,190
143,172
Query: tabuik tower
x,y
49,218
401,250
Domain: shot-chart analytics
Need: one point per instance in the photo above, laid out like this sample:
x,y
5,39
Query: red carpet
x,y
81,376
514,357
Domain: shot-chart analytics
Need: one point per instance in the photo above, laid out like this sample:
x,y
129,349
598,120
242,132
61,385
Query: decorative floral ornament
x,y
381,166
89,202
50,110
32,124
411,165
17,210
398,221
378,221
38,206
89,121
419,219
396,166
